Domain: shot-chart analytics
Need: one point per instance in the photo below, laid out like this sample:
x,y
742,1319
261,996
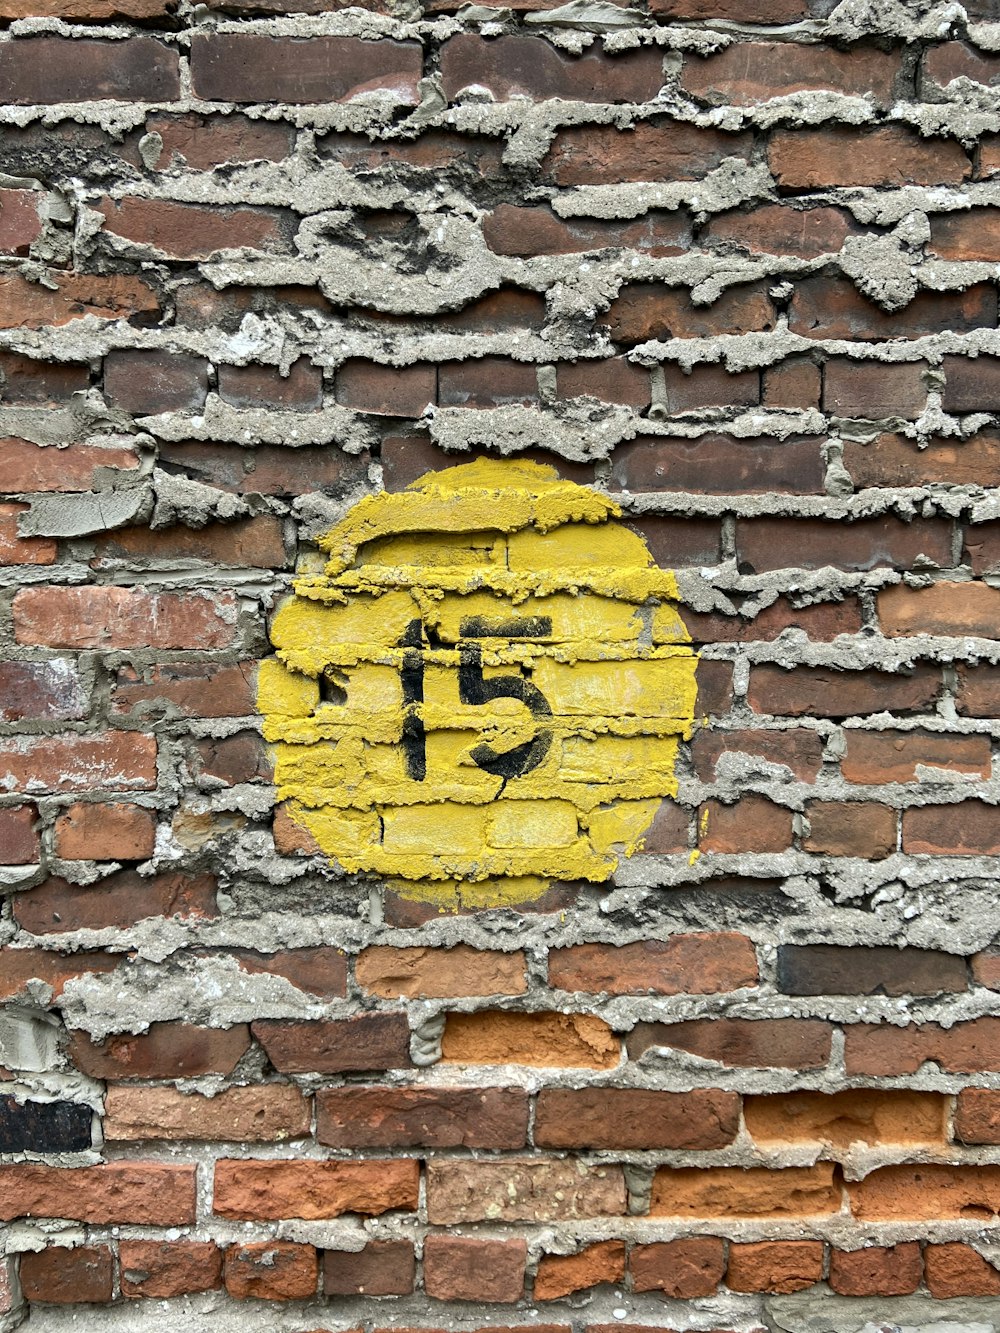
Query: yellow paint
x,y
603,675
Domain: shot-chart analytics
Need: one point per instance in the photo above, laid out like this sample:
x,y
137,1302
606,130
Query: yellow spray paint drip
x,y
483,691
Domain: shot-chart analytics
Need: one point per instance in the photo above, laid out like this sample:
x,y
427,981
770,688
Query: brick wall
x,y
732,265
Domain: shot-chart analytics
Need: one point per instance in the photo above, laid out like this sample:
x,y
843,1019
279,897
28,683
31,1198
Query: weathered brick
x,y
947,61
510,230
532,67
978,690
891,156
712,464
195,231
958,1270
798,750
892,460
603,155
772,543
18,550
50,691
834,308
780,229
395,391
165,1050
254,542
380,1268
905,756
57,69
301,390
820,621
972,384
895,1270
969,828
846,828
135,1193
244,67
751,824
950,609
612,381
500,1038
26,466
21,966
105,832
264,1190
628,1118
113,760
266,1113
776,1266
763,11
158,1269
147,383
57,1275
678,541
106,617
857,1115
832,969
19,840
202,142
795,382
977,1116
70,296
459,1268
735,1192
560,1275
646,310
270,1270
185,689
772,1043
44,1127
825,692
120,900
695,964
424,1117
24,381
490,381
749,72
439,973
682,1269
20,222
943,1193
521,1190
369,1041
872,390
883,1049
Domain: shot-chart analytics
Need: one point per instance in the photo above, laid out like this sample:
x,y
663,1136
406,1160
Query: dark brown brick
x,y
719,465
57,69
380,1268
775,1043
829,969
532,67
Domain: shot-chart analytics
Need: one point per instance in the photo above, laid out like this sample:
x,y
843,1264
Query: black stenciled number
x,y
475,688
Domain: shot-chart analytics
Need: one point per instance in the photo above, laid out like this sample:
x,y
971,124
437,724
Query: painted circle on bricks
x,y
484,690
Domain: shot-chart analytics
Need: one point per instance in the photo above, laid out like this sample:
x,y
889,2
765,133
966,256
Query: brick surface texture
x,y
731,266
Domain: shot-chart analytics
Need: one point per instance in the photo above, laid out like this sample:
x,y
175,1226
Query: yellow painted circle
x,y
487,685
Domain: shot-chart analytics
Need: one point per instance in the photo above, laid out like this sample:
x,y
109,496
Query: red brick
x,y
20,223
420,973
531,67
972,384
158,1269
18,550
40,383
369,1041
877,1271
254,542
68,1276
260,1113
843,828
510,230
896,756
18,967
26,466
603,155
357,1117
19,843
244,67
949,609
146,383
752,824
709,386
977,1116
764,11
778,1266
70,296
972,234
697,964
471,156
798,750
261,1190
320,970
380,1268
775,1043
882,1049
866,1116
632,1118
106,617
560,1275
195,231
834,308
978,690
165,1050
544,1039
458,1268
681,1269
491,381
645,310
794,382
746,73
105,832
120,900
947,61
301,390
114,760
669,831
136,1193
827,692
229,760
959,1270
781,543
833,969
185,689
820,621
780,229
872,390
969,828
891,156
270,1271
986,969
396,391
49,691
719,465
49,70
614,381
944,1193
892,460
204,142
